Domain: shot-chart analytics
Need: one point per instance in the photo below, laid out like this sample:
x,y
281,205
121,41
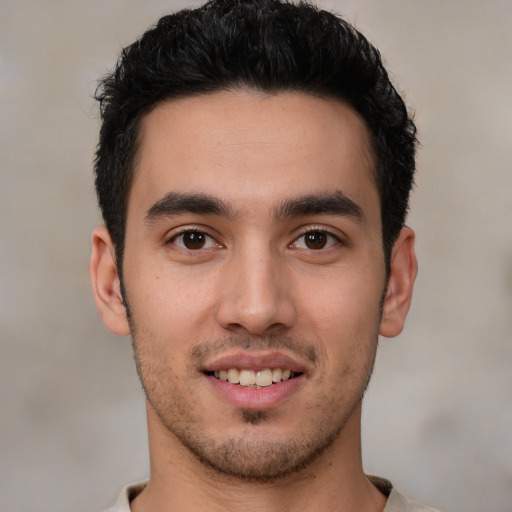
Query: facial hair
x,y
252,454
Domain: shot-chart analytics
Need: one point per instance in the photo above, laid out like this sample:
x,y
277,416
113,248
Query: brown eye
x,y
193,240
315,240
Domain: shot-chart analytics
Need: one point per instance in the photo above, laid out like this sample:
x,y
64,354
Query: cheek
x,y
168,301
344,318
343,303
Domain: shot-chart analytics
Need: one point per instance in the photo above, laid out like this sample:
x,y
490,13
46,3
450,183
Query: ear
x,y
105,283
403,270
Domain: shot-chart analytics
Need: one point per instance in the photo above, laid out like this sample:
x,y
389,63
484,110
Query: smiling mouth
x,y
254,379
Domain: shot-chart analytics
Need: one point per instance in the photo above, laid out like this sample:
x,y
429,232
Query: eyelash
x,y
201,231
191,230
317,230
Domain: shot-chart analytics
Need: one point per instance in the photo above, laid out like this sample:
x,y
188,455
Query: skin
x,y
254,287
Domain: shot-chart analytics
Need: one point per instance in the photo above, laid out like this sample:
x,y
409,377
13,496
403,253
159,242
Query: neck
x,y
334,481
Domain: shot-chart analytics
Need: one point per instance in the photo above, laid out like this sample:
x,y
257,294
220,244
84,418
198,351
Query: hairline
x,y
241,86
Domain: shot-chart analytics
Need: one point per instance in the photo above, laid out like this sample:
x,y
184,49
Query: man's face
x,y
253,244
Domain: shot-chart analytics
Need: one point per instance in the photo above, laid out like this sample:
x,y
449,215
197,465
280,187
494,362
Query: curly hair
x,y
265,45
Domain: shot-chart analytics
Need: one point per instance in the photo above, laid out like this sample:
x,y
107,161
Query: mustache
x,y
205,350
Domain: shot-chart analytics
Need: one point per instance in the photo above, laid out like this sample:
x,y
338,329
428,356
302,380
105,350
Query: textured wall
x,y
438,413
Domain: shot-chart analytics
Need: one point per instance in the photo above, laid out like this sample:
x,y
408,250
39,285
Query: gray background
x,y
438,415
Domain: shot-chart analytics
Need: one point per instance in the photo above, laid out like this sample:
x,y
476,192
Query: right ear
x,y
106,284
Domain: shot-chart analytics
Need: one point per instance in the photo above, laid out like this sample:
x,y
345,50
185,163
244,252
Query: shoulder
x,y
127,495
398,502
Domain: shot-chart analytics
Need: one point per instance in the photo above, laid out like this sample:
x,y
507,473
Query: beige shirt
x,y
397,502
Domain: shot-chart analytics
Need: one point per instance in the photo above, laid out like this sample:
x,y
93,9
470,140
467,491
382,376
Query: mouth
x,y
257,379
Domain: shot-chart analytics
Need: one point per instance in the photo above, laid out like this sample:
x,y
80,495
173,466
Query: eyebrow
x,y
335,203
176,203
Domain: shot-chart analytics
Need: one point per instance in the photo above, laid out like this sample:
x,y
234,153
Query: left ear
x,y
403,270
106,284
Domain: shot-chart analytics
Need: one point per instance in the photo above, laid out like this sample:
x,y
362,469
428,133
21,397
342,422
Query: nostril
x,y
251,310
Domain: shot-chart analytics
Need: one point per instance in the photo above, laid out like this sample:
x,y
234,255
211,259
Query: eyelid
x,y
319,229
175,233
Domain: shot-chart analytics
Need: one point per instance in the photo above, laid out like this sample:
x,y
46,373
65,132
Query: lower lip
x,y
255,398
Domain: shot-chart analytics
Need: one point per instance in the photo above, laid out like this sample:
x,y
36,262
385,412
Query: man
x,y
253,171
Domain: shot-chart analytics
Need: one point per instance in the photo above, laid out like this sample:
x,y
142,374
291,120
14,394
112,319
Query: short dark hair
x,y
266,45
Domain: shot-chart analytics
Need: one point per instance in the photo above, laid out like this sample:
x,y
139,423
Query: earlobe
x,y
106,284
403,270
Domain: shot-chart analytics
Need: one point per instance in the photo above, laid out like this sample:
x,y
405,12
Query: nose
x,y
256,295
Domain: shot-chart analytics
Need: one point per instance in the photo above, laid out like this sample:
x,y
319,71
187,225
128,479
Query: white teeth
x,y
247,378
250,378
264,378
277,373
233,376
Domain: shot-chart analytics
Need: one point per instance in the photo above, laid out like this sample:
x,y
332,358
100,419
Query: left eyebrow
x,y
176,203
335,203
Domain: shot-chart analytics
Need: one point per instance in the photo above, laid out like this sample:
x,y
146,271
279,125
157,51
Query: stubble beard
x,y
251,455
248,457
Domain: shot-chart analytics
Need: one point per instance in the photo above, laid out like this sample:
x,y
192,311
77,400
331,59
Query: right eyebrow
x,y
177,203
332,203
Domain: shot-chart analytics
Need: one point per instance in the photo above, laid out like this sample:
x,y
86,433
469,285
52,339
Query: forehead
x,y
244,144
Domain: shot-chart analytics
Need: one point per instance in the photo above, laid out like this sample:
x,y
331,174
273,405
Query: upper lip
x,y
255,360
